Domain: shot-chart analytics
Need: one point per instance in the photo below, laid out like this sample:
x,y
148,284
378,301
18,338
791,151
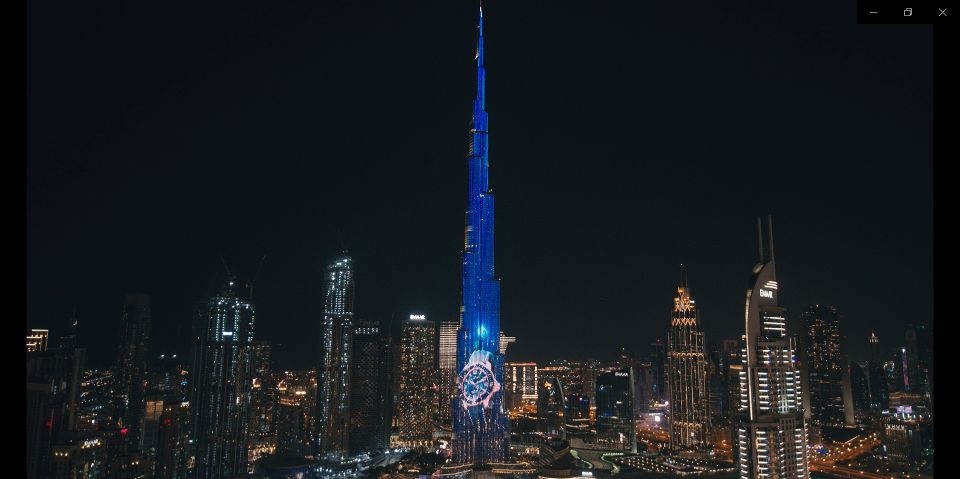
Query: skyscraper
x,y
222,377
771,434
658,363
877,378
687,373
131,366
262,432
480,424
417,339
550,407
615,427
369,413
448,371
333,374
823,364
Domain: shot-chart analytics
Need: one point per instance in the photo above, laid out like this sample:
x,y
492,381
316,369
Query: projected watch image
x,y
478,384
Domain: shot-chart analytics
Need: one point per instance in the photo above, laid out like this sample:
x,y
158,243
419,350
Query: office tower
x,y
771,435
369,416
333,374
221,376
823,363
417,339
37,340
153,401
506,341
614,424
860,391
261,431
551,407
658,363
169,442
918,359
876,378
52,401
131,367
480,423
448,371
687,373
294,416
520,383
902,439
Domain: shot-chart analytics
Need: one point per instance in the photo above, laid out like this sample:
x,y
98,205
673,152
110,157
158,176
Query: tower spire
x,y
481,74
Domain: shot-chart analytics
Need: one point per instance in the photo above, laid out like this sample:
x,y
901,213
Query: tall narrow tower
x,y
687,372
771,434
131,366
336,349
480,425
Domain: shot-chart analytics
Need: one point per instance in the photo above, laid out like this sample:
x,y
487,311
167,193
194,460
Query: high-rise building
x,y
369,394
918,359
333,374
53,399
37,340
262,433
131,367
520,381
823,363
448,371
170,447
480,425
771,434
417,339
294,417
687,373
615,428
877,378
658,370
222,377
551,407
506,341
860,391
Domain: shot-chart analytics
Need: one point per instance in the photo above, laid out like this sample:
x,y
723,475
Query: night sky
x,y
625,138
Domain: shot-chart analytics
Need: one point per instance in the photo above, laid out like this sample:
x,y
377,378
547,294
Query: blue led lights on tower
x,y
479,424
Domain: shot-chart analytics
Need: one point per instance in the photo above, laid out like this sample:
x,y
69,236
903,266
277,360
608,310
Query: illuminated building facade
x,y
687,373
221,380
771,433
520,383
480,426
261,433
333,374
295,420
614,422
417,337
369,394
131,366
823,364
37,340
448,371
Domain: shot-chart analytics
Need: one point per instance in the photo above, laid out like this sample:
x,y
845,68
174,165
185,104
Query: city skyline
x,y
836,209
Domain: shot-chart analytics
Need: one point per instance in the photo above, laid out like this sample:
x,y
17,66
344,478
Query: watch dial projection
x,y
477,384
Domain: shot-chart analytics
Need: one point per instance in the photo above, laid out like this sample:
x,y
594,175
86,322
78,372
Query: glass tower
x,y
333,375
131,366
480,425
687,373
222,368
771,433
824,364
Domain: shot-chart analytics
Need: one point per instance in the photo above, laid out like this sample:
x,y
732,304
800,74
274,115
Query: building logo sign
x,y
766,294
622,375
418,317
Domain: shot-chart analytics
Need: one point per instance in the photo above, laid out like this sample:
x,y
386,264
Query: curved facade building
x,y
771,433
687,373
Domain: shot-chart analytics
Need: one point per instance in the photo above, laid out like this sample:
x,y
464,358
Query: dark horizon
x,y
620,147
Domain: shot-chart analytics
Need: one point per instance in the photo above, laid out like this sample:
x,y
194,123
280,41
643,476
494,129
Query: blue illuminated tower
x,y
479,424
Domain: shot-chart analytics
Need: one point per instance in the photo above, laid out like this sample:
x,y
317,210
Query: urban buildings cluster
x,y
439,397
